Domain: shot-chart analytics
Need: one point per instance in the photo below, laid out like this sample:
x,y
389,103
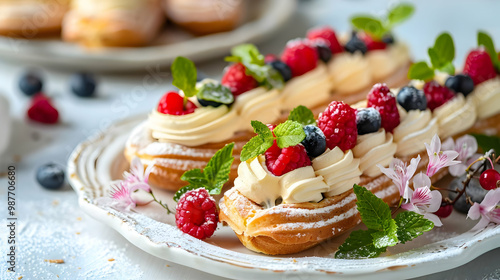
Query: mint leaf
x,y
420,71
370,25
302,115
358,245
487,143
184,190
483,39
184,75
218,169
400,13
387,237
443,51
411,225
258,144
195,177
216,93
448,68
374,212
289,133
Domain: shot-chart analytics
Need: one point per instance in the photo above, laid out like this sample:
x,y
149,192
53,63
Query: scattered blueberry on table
x,y
30,83
83,84
50,176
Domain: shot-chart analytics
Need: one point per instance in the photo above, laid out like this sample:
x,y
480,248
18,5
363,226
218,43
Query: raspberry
x,y
371,43
479,67
173,104
436,94
300,56
270,58
236,79
328,34
281,161
338,123
196,214
381,98
42,111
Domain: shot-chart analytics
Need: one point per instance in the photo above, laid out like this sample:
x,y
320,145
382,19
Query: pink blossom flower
x,y
437,158
121,196
424,201
138,175
466,146
486,210
401,174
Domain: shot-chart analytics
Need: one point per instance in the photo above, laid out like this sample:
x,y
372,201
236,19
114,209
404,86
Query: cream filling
x,y
202,11
100,6
372,149
382,63
349,72
258,104
486,97
416,128
455,116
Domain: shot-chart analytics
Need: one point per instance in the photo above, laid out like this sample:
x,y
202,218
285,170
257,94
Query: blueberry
x,y
355,45
460,83
212,94
324,52
30,84
411,98
50,176
368,120
83,84
388,39
474,190
315,141
282,68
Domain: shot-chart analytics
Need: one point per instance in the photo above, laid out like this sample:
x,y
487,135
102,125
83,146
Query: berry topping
x,y
83,84
436,94
30,83
338,123
270,58
445,210
479,67
356,45
411,98
173,104
388,39
41,110
281,161
50,176
489,179
329,35
382,99
315,141
300,56
214,95
282,68
323,48
237,80
196,214
372,44
368,120
460,83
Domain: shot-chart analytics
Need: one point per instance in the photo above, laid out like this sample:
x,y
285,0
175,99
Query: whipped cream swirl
x,y
455,116
416,127
372,149
486,97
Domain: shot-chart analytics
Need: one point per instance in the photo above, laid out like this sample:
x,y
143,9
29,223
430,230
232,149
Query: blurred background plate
x,y
263,19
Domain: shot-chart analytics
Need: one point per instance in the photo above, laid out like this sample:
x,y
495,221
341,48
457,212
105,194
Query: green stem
x,y
161,203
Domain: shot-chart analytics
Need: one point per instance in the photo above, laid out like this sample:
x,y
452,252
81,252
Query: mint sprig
x,y
383,231
249,55
302,115
483,39
184,76
289,133
441,56
214,175
378,27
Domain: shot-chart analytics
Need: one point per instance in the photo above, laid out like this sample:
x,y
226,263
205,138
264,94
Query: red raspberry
x,y
479,67
436,94
41,110
236,79
281,161
329,35
270,58
196,214
173,104
372,44
382,99
300,56
338,123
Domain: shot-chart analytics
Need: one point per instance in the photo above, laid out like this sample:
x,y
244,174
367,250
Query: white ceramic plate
x,y
100,159
264,18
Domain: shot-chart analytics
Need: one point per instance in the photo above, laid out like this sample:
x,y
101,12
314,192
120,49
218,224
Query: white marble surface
x,y
50,220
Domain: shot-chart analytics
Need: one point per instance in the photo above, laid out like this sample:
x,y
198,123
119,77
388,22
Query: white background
x,y
50,223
